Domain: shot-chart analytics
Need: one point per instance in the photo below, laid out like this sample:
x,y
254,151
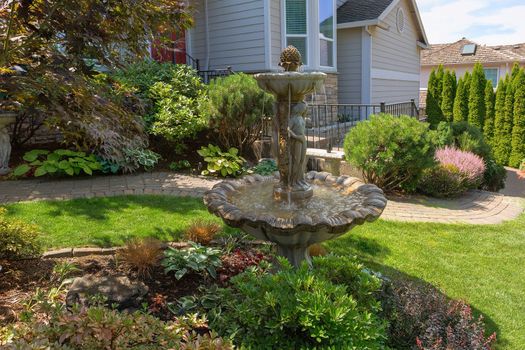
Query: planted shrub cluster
x,y
17,239
500,116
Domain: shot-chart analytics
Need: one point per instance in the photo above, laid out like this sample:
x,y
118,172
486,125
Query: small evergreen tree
x,y
504,131
461,101
488,127
518,130
476,104
448,95
499,116
515,72
434,113
440,75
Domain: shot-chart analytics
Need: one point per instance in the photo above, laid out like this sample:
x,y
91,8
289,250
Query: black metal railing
x,y
208,75
193,62
327,124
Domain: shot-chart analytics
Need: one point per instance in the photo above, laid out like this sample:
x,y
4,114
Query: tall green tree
x,y
448,95
434,91
499,115
504,131
476,104
490,99
461,101
515,71
518,130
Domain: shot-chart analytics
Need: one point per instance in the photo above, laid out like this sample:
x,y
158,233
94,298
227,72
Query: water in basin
x,y
326,201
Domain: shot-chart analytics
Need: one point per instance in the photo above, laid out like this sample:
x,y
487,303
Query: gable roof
x,y
361,10
360,13
450,54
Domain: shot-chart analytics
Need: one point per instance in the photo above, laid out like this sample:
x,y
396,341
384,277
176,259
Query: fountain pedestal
x,y
6,118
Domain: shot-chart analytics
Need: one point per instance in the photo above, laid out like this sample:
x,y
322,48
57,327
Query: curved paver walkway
x,y
476,207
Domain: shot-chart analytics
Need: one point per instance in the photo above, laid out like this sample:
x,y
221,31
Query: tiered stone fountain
x,y
294,209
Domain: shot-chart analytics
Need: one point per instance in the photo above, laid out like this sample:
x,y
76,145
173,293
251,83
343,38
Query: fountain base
x,y
285,194
295,255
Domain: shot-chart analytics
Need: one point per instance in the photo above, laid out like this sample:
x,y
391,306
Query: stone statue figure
x,y
5,150
296,131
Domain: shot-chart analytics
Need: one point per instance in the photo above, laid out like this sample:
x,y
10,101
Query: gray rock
x,y
119,291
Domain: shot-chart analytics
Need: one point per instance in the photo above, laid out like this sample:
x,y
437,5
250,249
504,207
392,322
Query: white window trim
x,y
312,41
306,36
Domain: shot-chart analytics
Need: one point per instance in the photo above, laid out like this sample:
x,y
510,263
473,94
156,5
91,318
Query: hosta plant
x,y
58,162
220,163
197,259
138,157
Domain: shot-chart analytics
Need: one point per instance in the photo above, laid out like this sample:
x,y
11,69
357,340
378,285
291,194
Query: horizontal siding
x,y
349,65
236,34
276,31
393,91
396,51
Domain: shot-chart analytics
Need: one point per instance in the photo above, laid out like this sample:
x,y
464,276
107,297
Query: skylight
x,y
468,49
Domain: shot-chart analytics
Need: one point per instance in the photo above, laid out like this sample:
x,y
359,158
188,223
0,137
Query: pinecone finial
x,y
291,59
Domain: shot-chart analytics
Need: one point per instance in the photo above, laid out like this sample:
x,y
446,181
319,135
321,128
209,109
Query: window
x,y
492,75
469,49
297,26
326,33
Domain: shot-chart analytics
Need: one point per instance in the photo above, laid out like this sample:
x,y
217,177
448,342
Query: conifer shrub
x,y
391,152
503,143
448,95
460,110
236,107
434,92
499,115
476,104
518,129
490,100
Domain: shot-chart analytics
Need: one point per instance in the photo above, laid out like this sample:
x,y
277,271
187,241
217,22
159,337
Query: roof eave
x,y
357,24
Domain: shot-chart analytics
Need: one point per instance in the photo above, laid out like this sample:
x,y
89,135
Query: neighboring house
x,y
462,55
370,49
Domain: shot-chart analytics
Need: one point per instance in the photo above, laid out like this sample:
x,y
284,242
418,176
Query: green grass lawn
x,y
480,264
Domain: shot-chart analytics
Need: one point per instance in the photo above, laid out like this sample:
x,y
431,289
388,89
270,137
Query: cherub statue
x,y
296,131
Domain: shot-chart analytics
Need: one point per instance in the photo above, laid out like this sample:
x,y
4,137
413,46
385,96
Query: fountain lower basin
x,y
338,204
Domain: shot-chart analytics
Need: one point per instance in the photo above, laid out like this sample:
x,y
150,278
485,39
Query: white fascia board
x,y
371,22
393,75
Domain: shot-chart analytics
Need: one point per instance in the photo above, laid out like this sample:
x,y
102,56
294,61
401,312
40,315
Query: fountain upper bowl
x,y
296,84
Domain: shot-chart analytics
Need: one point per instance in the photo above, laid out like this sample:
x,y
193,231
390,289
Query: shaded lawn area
x,y
111,221
480,264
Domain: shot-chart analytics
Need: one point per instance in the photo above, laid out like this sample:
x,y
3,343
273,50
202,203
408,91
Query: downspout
x,y
207,35
367,29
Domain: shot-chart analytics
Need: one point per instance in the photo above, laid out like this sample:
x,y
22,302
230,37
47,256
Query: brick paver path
x,y
476,207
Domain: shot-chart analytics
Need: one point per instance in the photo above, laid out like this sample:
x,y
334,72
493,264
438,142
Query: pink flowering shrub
x,y
469,165
456,172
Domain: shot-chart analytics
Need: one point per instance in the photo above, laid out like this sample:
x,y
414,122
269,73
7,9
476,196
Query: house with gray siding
x,y
370,49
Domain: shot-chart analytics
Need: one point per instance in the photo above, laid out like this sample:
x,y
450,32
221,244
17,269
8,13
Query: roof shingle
x,y
361,10
448,54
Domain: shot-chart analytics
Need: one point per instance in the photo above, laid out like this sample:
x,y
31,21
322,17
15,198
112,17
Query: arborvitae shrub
x,y
434,113
518,131
447,97
476,105
461,102
499,114
488,128
503,143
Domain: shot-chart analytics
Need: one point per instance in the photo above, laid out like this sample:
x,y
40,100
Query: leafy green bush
x,y
442,181
295,309
59,162
222,163
197,259
494,177
17,239
142,157
391,152
173,95
180,165
236,107
265,167
102,328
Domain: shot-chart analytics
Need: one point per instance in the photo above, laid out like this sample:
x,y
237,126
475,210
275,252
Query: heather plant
x,y
442,181
468,164
476,104
390,151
